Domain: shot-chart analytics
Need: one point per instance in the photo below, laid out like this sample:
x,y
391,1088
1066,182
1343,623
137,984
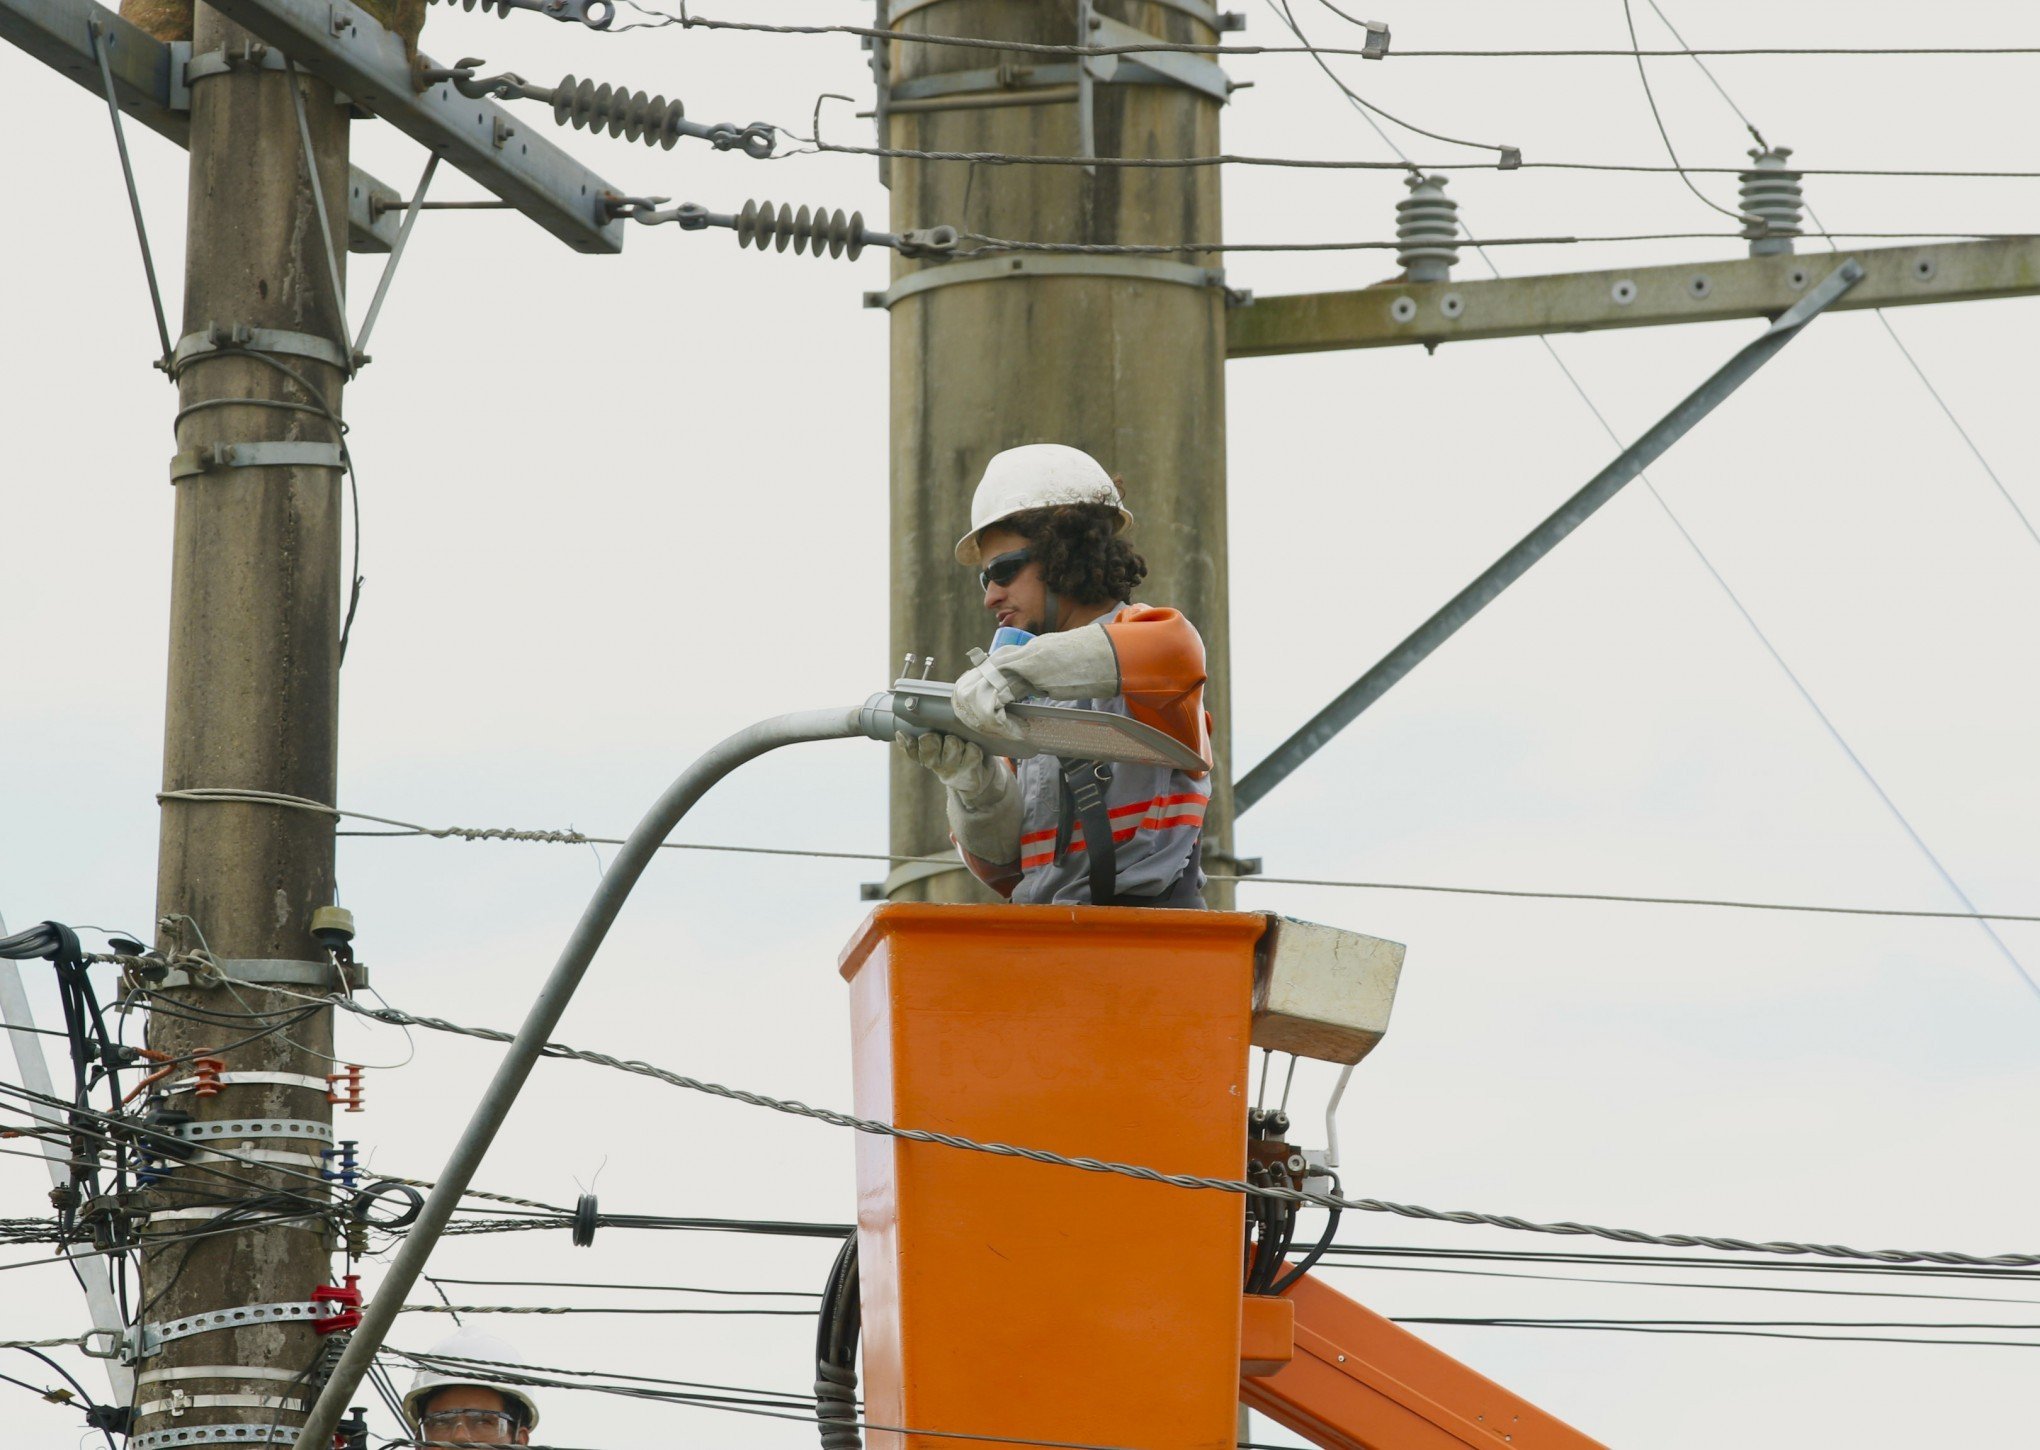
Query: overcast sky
x,y
615,508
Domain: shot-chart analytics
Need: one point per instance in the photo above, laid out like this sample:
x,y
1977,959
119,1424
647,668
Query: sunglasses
x,y
1004,569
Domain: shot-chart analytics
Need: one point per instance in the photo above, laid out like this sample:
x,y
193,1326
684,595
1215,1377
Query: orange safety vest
x,y
1157,812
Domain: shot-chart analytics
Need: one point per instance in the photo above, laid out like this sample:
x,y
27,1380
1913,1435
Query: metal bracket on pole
x,y
243,1128
145,1340
1197,72
266,971
250,1434
345,46
191,462
1540,541
1046,264
214,338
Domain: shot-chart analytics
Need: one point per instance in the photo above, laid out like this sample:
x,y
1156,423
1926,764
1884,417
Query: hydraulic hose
x,y
546,1009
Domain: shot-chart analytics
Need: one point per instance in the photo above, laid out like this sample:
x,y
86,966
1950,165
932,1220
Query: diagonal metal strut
x,y
1483,591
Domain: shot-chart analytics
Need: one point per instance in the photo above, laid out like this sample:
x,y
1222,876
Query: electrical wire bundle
x,y
1271,1221
837,1325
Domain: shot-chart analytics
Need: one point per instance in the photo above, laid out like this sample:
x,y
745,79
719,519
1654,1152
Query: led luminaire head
x,y
916,707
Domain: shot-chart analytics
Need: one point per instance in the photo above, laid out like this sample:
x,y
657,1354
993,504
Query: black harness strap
x,y
1084,784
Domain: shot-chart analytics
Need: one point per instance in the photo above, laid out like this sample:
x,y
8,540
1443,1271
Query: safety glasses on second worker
x,y
1004,568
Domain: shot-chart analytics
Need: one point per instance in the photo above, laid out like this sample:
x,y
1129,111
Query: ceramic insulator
x,y
1427,227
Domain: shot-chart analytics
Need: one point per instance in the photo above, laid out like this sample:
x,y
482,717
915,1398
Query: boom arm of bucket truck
x,y
1351,1380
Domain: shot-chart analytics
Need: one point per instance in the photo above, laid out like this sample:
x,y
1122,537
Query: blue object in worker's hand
x,y
1005,635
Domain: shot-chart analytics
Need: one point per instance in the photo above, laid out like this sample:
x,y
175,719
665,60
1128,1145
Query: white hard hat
x,y
1036,476
466,1344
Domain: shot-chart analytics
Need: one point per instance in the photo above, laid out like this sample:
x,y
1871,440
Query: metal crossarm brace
x,y
149,80
346,47
1398,313
1540,541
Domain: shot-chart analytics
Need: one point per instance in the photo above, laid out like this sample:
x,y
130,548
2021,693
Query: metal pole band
x,y
147,1339
1005,80
272,1079
991,269
255,1128
191,462
220,1372
216,339
214,1435
270,971
179,1402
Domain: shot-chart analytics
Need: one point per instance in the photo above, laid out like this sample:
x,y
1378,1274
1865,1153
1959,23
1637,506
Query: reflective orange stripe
x,y
1119,837
1138,808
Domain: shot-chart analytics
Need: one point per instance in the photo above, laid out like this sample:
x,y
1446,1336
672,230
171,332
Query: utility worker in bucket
x,y
1044,537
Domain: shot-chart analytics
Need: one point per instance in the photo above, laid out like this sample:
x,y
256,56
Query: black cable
x,y
78,1388
837,1325
1686,1261
1719,1333
1324,1243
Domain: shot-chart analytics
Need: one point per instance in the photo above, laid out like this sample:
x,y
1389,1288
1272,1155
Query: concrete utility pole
x,y
1121,356
253,703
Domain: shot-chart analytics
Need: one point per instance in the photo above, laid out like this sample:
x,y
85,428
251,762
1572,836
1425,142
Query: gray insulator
x,y
761,225
489,7
1771,194
1427,229
618,110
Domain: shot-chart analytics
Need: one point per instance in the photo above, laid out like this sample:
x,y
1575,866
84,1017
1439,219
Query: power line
x,y
1674,1283
1642,1328
599,1309
1629,18
577,838
1926,382
836,1118
1510,155
661,19
637,1288
1834,733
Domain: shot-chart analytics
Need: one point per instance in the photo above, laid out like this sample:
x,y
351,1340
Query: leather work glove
x,y
1077,664
963,768
981,796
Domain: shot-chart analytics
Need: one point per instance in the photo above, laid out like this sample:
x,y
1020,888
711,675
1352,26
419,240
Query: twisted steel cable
x,y
1724,1243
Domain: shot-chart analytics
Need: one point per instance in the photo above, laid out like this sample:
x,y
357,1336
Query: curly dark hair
x,y
1081,556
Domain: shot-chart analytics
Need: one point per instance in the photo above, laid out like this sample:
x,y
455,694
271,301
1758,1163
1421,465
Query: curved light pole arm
x,y
636,853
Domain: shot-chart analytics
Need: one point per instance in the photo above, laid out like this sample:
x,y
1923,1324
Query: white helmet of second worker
x,y
448,1387
1036,476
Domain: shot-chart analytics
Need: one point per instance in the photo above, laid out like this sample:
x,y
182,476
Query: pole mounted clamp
x,y
180,1403
251,55
319,1085
265,971
192,462
213,340
181,1435
146,1340
240,1128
